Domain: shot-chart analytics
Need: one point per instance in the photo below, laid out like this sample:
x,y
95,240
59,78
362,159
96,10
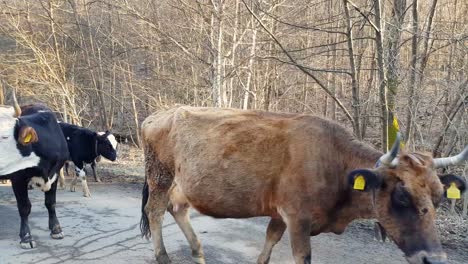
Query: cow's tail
x,y
144,222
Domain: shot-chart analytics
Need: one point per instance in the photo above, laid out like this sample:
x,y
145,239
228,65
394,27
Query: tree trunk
x,y
413,72
393,64
465,199
219,95
381,72
248,84
354,82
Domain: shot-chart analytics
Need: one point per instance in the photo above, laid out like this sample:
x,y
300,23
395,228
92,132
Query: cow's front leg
x,y
61,179
20,188
299,232
50,201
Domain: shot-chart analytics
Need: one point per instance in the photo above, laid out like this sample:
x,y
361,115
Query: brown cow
x,y
298,169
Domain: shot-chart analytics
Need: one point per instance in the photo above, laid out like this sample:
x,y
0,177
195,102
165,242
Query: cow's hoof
x,y
198,260
163,259
72,189
27,242
28,245
98,180
263,260
59,235
88,195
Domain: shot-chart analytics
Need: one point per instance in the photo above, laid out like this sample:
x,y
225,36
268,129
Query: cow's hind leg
x,y
20,188
50,201
275,231
84,183
155,201
74,181
80,173
182,218
93,167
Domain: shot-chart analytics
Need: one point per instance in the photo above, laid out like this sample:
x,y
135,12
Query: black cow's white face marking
x,y
113,141
107,146
11,159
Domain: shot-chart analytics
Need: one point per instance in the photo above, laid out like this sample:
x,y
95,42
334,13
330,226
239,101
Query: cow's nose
x,y
425,257
434,260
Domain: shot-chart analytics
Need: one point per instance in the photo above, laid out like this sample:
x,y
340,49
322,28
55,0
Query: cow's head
x,y
406,192
107,145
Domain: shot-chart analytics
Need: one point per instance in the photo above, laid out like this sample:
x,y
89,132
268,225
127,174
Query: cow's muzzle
x,y
424,257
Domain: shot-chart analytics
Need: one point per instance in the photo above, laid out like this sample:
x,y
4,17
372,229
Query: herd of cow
x,y
35,147
309,174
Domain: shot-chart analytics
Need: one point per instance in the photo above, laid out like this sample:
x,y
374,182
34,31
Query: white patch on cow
x,y
81,173
38,182
11,159
50,182
113,141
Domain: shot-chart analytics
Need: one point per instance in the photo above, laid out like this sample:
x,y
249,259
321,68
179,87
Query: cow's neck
x,y
352,205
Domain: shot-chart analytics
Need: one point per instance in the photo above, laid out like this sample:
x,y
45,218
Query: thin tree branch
x,y
300,67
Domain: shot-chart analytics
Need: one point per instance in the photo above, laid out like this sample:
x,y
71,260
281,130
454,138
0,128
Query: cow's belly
x,y
228,168
227,196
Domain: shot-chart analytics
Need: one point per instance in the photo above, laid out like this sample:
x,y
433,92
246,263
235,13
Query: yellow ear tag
x,y
27,138
453,192
359,183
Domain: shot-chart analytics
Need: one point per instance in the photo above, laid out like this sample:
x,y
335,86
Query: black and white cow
x,y
32,148
85,146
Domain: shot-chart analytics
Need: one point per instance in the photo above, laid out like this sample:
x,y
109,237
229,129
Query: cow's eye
x,y
401,197
436,201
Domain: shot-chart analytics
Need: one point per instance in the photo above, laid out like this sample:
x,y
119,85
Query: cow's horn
x,y
16,105
451,161
389,157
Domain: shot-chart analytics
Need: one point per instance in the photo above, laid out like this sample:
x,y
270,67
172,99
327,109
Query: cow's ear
x,y
364,180
452,183
27,136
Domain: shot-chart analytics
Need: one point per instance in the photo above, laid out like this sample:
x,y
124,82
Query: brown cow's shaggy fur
x,y
229,163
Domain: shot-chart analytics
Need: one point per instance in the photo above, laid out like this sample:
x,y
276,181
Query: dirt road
x,y
104,229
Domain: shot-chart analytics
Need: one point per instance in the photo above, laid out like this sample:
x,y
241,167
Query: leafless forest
x,y
110,63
